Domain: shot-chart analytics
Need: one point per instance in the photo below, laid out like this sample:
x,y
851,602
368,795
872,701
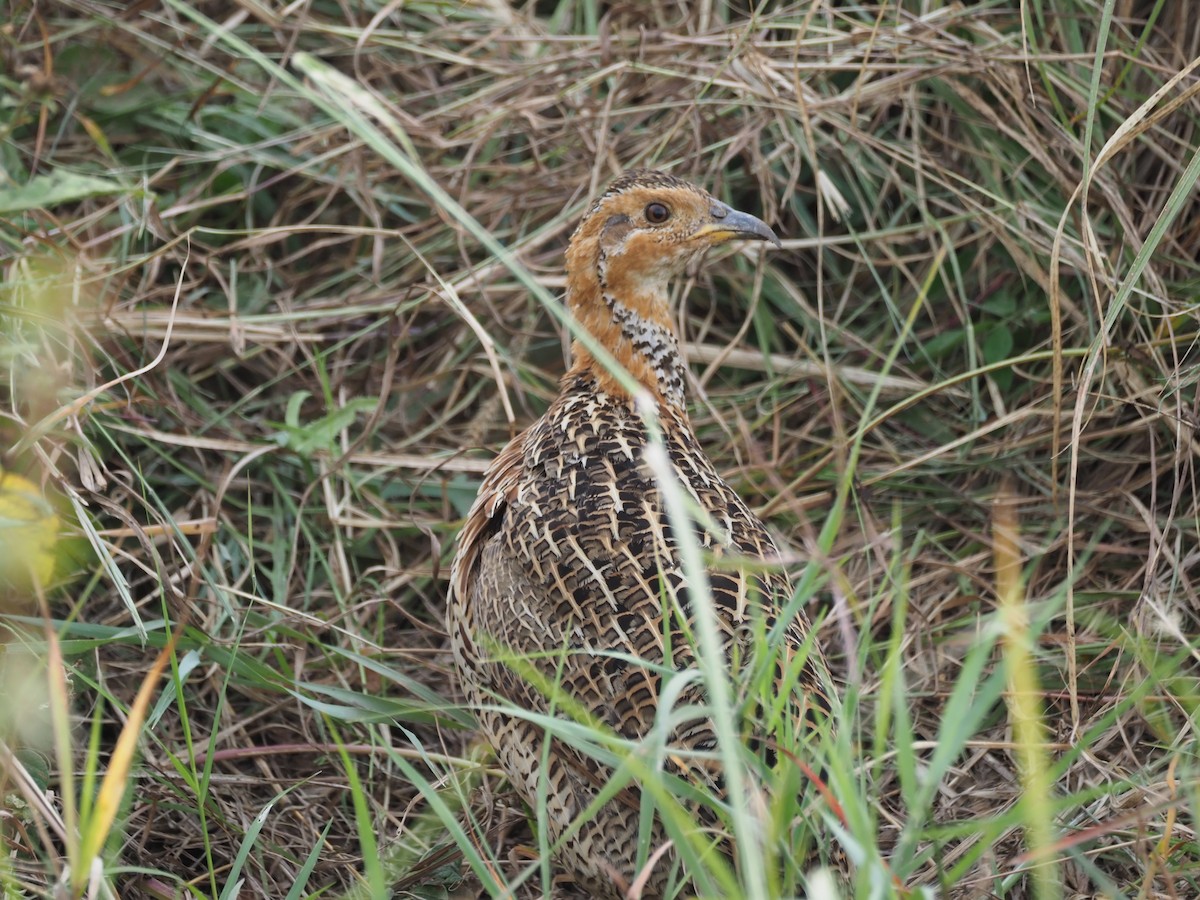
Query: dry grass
x,y
265,371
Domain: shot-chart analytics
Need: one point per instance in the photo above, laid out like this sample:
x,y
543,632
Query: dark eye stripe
x,y
657,213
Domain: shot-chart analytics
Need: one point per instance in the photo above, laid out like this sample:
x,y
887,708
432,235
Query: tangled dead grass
x,y
295,365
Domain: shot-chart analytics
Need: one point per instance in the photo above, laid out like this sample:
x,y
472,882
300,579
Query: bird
x,y
568,594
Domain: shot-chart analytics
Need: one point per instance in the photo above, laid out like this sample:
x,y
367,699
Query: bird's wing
x,y
497,490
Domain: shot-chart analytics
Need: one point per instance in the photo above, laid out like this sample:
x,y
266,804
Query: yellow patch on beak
x,y
733,226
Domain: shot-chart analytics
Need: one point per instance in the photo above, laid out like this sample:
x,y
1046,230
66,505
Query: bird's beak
x,y
730,225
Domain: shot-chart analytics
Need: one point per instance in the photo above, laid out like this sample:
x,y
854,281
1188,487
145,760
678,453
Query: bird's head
x,y
648,226
642,232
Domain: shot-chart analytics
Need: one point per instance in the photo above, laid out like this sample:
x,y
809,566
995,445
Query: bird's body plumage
x,y
568,578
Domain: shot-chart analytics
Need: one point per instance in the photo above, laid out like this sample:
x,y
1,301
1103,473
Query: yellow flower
x,y
28,535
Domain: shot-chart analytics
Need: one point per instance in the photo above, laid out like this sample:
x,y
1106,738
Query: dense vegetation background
x,y
256,353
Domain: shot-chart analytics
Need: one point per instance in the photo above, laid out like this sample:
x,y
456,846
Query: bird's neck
x,y
630,318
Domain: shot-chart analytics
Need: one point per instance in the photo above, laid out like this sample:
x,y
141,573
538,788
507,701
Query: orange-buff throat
x,y
639,235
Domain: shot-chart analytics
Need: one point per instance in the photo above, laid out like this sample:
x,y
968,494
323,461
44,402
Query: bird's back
x,y
578,577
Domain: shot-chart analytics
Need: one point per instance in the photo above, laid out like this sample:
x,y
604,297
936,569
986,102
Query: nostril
x,y
719,210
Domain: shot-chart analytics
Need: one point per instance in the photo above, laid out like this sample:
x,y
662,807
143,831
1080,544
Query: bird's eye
x,y
657,213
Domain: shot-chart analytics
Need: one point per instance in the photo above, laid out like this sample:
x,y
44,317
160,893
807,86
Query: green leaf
x,y
53,188
36,765
1002,305
940,344
318,434
352,706
234,880
997,346
291,416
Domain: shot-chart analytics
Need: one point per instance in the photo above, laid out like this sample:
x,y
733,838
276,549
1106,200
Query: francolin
x,y
568,595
